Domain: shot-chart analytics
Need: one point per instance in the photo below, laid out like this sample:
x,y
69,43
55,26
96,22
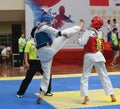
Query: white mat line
x,y
55,76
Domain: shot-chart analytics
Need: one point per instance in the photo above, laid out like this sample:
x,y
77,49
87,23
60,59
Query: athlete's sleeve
x,y
74,30
49,30
84,39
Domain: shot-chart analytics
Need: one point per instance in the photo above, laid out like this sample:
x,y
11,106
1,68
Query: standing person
x,y
115,46
115,24
94,57
33,65
48,44
21,46
109,30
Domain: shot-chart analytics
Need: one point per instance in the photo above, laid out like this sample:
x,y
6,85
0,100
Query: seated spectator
x,y
6,52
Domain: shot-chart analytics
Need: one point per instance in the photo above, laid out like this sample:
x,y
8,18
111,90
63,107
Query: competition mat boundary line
x,y
55,76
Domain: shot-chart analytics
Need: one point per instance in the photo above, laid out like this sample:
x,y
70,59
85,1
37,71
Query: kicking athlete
x,y
48,44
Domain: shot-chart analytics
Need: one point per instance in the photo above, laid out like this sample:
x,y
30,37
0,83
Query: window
x,y
5,40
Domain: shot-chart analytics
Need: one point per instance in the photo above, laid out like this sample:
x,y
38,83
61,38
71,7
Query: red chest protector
x,y
91,45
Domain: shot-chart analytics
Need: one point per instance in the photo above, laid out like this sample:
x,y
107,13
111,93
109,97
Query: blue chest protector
x,y
42,39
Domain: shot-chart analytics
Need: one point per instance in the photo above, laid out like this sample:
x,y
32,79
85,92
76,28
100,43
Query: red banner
x,y
99,2
47,3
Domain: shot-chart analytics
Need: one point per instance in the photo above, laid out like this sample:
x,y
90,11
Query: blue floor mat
x,y
8,89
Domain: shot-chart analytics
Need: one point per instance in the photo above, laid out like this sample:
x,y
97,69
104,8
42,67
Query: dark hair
x,y
114,20
33,31
108,21
115,29
21,33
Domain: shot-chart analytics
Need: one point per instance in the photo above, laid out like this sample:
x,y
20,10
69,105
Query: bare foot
x,y
113,99
82,23
86,99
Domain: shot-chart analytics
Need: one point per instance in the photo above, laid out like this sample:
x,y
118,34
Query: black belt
x,y
45,44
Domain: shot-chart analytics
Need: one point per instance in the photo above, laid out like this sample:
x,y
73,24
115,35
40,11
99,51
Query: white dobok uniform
x,y
94,58
46,53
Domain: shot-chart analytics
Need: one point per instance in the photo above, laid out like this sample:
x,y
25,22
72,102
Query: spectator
x,y
6,52
115,46
109,28
115,24
21,46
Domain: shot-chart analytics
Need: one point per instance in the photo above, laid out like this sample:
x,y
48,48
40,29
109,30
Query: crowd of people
x,y
110,26
114,38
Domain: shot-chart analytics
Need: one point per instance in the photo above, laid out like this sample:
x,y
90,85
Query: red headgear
x,y
96,22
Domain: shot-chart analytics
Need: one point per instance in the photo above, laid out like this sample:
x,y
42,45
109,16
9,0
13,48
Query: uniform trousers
x,y
35,66
97,60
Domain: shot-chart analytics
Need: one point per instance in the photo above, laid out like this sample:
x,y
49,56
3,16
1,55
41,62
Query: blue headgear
x,y
46,18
